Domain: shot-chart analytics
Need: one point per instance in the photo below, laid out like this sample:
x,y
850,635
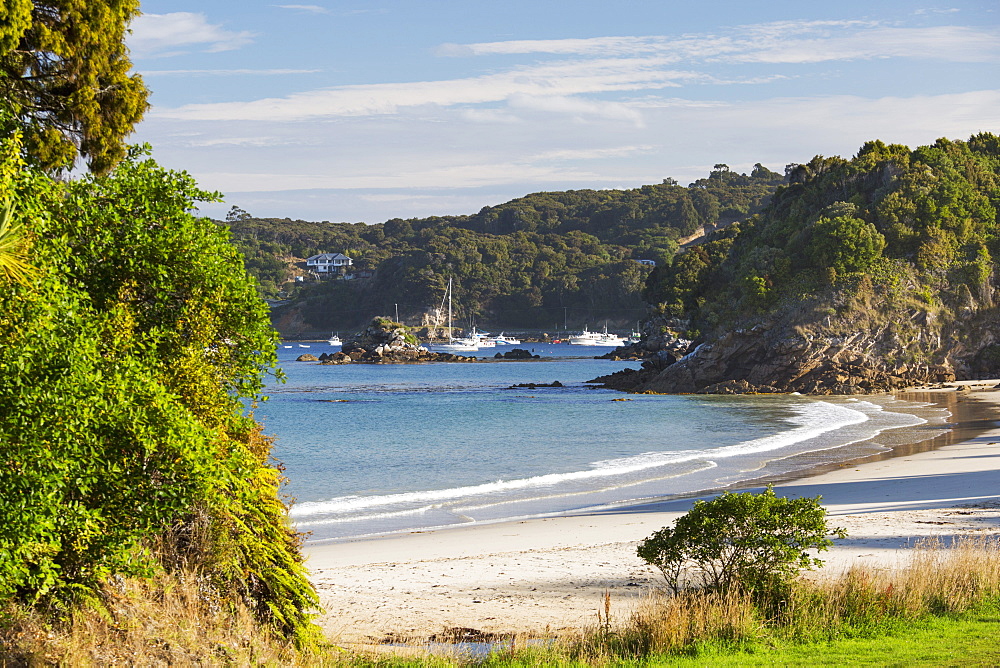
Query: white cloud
x,y
467,175
778,42
591,153
312,9
223,73
682,139
943,43
178,32
235,141
576,107
557,81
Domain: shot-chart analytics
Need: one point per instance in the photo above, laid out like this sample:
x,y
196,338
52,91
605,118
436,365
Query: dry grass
x,y
169,620
939,580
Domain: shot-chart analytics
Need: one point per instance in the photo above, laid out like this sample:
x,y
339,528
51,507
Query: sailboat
x,y
455,345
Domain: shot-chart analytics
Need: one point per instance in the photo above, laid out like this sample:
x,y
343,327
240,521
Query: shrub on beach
x,y
940,580
750,542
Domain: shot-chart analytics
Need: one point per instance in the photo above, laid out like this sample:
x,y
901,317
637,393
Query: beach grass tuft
x,y
169,619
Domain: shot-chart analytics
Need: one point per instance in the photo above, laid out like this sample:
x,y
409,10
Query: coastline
x,y
549,575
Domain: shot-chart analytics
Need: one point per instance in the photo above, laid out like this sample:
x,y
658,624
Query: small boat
x,y
482,339
505,340
302,345
286,346
586,338
334,340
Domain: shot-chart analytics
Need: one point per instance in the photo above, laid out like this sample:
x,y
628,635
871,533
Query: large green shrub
x,y
124,366
741,541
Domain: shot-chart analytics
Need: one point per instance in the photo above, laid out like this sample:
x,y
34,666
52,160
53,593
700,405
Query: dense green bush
x,y
744,542
123,368
933,209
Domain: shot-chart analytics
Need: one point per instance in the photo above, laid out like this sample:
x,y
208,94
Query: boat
x,y
455,345
482,339
302,345
334,340
587,338
502,340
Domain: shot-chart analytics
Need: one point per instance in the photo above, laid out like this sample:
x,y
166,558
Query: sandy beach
x,y
550,575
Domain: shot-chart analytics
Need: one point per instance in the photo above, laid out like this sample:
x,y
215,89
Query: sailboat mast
x,y
449,309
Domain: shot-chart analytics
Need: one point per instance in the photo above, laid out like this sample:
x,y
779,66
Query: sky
x,y
351,111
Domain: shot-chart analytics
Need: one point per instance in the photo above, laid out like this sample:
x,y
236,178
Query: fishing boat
x,y
334,340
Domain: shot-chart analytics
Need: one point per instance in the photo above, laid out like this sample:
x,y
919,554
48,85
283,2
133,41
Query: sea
x,y
372,449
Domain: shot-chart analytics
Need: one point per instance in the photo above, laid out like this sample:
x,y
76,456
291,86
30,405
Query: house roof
x,y
327,257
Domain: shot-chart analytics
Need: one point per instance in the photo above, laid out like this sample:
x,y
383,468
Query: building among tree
x,y
329,264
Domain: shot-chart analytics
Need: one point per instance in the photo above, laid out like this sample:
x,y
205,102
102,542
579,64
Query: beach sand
x,y
550,575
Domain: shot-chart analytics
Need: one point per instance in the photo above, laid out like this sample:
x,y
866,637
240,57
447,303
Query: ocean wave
x,y
810,419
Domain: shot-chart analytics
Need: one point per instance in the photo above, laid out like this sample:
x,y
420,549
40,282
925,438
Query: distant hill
x,y
539,261
859,275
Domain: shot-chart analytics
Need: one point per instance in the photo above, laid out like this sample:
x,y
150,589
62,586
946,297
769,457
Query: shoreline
x,y
549,575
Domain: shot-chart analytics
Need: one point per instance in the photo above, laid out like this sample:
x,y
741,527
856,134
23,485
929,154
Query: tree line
x,y
542,260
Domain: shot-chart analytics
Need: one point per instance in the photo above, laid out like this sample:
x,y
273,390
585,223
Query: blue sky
x,y
351,111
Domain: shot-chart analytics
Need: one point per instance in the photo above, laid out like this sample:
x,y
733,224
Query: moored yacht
x,y
587,338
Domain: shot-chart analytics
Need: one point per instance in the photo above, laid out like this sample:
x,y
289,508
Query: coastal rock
x,y
789,355
306,357
385,342
516,354
535,386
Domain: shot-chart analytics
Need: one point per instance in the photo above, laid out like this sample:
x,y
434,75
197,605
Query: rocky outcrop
x,y
787,357
306,357
386,342
516,354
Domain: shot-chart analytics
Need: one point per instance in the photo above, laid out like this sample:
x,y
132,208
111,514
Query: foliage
x,y
123,368
537,261
64,74
741,541
929,212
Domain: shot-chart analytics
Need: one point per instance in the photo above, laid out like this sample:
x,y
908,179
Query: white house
x,y
648,263
327,264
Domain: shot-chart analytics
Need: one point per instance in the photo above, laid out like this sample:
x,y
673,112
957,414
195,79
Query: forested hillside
x,y
868,273
537,261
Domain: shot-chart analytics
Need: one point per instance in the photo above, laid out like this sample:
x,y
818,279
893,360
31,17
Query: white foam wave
x,y
811,419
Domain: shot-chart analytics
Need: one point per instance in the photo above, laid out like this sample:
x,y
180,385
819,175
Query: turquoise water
x,y
383,448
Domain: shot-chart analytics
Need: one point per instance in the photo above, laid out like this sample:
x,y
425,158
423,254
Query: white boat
x,y
502,340
302,345
455,345
334,340
482,339
587,338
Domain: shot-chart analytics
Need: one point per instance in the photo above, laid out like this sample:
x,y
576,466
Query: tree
x,y
64,75
845,243
752,542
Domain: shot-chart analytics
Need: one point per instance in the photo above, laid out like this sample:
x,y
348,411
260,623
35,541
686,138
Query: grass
x,y
167,620
943,609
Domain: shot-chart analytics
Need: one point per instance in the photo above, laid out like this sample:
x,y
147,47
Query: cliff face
x,y
852,355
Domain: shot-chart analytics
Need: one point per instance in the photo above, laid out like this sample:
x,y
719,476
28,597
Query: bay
x,y
380,448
